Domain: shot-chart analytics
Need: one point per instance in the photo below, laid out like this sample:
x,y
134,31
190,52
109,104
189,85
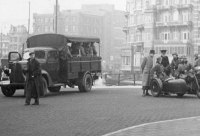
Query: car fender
x,y
46,75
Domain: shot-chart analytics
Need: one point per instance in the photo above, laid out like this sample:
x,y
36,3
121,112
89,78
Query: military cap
x,y
175,53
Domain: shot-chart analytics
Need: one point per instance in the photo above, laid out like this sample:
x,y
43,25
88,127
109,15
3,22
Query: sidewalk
x,y
177,127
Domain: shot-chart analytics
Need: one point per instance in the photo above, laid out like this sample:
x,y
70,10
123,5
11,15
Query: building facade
x,y
17,38
173,25
101,21
4,45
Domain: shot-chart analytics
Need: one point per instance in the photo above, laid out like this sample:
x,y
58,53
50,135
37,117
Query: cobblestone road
x,y
101,111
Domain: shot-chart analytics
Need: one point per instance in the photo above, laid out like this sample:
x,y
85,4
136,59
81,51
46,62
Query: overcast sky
x,y
16,11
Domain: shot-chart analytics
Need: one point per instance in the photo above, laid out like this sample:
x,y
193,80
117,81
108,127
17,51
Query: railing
x,y
121,79
174,23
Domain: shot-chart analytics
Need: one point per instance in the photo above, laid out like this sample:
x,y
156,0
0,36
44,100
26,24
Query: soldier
x,y
158,69
174,64
197,61
146,66
33,80
165,60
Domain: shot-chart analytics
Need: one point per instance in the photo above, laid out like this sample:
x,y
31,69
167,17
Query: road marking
x,y
151,123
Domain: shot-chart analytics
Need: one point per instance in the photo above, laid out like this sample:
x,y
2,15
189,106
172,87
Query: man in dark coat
x,y
34,80
165,60
146,67
174,64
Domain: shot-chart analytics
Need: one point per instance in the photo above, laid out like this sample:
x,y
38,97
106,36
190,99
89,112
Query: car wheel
x,y
155,88
8,91
85,83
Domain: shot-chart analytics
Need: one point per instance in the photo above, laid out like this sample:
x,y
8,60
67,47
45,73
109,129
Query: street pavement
x,y
104,110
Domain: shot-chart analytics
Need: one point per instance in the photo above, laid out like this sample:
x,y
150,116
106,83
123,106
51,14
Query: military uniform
x,y
174,66
34,86
197,62
165,61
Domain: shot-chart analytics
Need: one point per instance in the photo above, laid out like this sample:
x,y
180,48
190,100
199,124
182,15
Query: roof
x,y
56,40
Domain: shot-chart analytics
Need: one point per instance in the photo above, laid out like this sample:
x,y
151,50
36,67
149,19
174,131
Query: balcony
x,y
184,6
150,9
175,24
171,42
163,8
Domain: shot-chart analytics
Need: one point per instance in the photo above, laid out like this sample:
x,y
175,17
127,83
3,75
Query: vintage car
x,y
189,84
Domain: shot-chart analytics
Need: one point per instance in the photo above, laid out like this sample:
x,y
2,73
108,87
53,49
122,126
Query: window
x,y
175,16
185,17
166,2
185,35
40,54
52,56
126,60
166,36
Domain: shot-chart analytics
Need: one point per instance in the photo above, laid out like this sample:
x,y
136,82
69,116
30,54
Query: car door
x,y
53,65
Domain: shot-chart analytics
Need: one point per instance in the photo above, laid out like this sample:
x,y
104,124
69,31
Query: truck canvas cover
x,y
55,40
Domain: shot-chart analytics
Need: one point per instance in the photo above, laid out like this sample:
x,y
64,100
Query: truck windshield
x,y
38,54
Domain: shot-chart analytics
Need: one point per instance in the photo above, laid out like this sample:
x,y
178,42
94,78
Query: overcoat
x,y
146,67
197,62
158,69
34,82
165,61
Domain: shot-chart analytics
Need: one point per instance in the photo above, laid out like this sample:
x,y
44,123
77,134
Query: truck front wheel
x,y
8,91
85,83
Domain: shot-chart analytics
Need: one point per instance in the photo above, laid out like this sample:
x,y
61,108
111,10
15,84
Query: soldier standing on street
x,y
146,66
165,60
33,80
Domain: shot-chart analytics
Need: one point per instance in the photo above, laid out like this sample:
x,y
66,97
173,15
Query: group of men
x,y
78,50
163,69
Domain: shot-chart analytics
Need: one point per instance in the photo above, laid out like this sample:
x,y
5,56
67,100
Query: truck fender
x,y
47,77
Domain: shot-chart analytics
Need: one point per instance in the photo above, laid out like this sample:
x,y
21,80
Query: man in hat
x,y
33,80
165,60
146,67
174,64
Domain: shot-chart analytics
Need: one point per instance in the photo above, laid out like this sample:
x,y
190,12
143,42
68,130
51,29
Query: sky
x,y
15,12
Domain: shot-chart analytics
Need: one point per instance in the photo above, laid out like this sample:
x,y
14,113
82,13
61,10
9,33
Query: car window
x,y
52,56
40,54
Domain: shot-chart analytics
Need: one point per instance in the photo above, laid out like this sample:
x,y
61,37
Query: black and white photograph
x,y
99,67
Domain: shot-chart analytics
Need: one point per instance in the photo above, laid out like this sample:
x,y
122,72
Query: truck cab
x,y
73,71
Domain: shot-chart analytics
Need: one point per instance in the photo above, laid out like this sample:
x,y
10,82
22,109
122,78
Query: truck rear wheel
x,y
85,83
54,89
8,91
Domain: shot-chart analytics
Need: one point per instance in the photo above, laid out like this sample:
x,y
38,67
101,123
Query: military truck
x,y
72,71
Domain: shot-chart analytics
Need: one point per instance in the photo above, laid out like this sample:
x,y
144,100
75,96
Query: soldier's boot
x,y
36,102
147,93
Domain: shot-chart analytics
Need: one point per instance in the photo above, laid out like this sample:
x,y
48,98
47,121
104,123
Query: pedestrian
x,y
146,67
34,82
165,60
197,61
174,64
